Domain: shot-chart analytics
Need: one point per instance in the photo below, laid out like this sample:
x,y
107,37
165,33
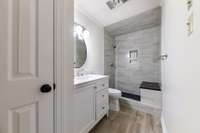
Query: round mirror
x,y
80,53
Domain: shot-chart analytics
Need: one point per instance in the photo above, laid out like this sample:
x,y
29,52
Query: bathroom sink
x,y
87,78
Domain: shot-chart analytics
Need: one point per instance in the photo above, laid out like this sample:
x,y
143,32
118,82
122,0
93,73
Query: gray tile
x,y
146,68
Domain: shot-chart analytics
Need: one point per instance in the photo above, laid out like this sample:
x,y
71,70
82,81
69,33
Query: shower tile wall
x,y
128,76
109,60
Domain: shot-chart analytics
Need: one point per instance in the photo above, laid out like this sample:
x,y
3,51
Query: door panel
x,y
23,39
23,119
26,63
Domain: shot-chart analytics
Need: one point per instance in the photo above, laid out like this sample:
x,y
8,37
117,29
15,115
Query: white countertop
x,y
87,78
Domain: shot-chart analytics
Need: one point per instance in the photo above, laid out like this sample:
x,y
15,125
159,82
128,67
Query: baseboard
x,y
164,128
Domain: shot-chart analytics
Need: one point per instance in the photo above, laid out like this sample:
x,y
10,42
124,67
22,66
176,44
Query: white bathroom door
x,y
26,63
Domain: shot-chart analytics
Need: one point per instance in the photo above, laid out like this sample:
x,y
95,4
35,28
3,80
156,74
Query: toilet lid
x,y
114,91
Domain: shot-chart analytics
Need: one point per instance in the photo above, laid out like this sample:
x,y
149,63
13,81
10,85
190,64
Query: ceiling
x,y
99,12
147,19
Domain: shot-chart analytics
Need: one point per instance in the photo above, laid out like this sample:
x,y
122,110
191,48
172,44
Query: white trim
x,y
164,128
63,45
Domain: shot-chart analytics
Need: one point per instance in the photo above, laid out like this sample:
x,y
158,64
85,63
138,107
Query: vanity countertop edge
x,y
85,82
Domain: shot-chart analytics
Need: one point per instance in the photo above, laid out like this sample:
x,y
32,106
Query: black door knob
x,y
45,88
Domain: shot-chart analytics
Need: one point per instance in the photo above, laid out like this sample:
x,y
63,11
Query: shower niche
x,y
133,56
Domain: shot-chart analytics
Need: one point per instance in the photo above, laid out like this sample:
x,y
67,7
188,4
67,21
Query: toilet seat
x,y
114,92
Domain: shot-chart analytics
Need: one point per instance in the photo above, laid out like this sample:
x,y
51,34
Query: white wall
x,y
181,72
95,44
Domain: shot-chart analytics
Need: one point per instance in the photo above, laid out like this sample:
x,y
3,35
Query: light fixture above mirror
x,y
80,31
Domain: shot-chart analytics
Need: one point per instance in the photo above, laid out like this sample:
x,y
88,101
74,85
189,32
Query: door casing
x,y
63,65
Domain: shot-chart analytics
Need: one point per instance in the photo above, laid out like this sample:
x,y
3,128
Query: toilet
x,y
114,96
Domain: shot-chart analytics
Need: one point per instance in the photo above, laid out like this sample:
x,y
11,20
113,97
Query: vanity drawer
x,y
101,109
101,96
101,84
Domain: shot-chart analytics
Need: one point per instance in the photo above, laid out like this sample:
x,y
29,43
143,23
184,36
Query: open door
x,y
26,66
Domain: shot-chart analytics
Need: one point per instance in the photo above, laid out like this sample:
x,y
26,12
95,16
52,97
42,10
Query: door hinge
x,y
54,86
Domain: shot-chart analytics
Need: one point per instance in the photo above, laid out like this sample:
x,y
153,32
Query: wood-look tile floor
x,y
128,121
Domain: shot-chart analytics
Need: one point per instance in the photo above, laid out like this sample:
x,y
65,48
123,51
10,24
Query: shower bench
x,y
151,94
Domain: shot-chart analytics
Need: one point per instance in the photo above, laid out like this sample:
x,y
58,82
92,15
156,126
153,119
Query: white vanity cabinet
x,y
91,103
101,99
